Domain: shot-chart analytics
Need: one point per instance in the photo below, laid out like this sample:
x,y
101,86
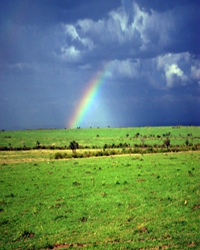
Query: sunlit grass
x,y
95,137
118,202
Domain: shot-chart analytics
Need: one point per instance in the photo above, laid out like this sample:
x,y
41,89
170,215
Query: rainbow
x,y
88,97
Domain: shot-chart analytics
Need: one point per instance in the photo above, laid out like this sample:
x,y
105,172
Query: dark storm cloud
x,y
148,35
50,50
186,19
44,12
162,5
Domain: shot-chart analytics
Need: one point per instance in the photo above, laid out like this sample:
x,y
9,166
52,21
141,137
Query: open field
x,y
135,201
128,202
97,138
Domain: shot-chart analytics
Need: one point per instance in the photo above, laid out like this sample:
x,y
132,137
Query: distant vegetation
x,y
103,142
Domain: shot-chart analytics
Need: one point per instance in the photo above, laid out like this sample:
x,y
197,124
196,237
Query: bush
x,y
113,152
58,156
87,154
137,134
99,153
167,142
150,150
105,146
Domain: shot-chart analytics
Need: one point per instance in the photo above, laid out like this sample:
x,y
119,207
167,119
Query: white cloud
x,y
69,54
71,30
113,32
195,72
140,21
123,33
170,64
120,18
172,72
165,71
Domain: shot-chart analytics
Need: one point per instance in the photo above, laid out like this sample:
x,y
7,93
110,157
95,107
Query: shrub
x,y
58,156
87,154
99,153
105,146
187,142
137,134
167,142
150,150
107,153
123,151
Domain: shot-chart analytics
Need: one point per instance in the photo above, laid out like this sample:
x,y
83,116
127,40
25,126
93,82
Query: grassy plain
x,y
149,201
97,137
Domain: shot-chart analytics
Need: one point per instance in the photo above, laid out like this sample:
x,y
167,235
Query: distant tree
x,y
38,144
127,135
187,142
167,142
73,146
137,134
105,146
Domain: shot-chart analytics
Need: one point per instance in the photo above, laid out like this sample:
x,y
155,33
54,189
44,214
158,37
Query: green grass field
x,y
98,137
137,201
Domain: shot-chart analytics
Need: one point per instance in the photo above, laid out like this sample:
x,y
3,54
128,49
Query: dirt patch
x,y
140,180
196,207
11,161
65,246
81,245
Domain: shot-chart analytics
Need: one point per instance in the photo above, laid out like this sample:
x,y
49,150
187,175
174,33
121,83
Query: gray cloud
x,y
52,51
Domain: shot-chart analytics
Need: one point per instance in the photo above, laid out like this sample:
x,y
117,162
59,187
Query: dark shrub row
x,y
4,148
106,147
120,145
137,150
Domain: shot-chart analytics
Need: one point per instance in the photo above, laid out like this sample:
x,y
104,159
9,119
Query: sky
x,y
99,63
